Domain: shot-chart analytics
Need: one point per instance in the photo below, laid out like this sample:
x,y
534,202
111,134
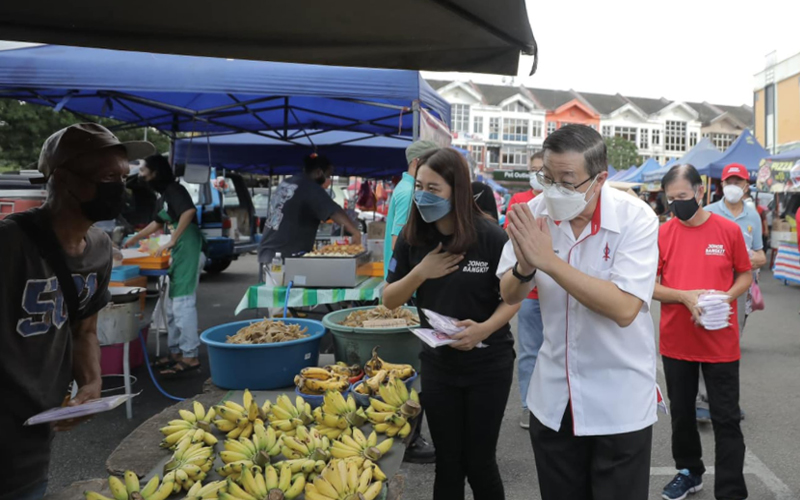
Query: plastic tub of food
x,y
260,366
353,345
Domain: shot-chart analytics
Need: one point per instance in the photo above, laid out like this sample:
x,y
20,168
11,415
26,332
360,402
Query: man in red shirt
x,y
530,334
701,252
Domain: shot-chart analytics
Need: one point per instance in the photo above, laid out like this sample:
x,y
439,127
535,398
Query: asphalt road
x,y
769,387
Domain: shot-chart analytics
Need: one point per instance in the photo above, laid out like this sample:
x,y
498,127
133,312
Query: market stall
x,y
266,296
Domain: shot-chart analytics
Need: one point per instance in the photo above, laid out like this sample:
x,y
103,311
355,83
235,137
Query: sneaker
x,y
420,452
525,420
703,415
682,485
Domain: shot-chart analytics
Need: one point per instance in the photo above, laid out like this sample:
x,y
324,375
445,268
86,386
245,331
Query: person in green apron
x,y
176,210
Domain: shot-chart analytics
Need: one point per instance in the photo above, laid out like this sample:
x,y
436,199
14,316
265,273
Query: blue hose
x,y
286,302
150,370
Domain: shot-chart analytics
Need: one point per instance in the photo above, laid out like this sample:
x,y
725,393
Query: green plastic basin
x,y
354,345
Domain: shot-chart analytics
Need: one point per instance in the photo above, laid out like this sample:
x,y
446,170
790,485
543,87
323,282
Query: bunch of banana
x,y
391,416
309,444
371,386
315,380
130,489
360,446
306,466
285,417
376,364
194,425
208,491
271,485
238,420
336,416
247,452
343,369
190,464
341,480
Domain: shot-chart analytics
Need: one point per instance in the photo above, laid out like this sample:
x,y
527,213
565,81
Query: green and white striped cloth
x,y
265,296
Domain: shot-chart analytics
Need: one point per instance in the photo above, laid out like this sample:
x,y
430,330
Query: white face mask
x,y
565,207
733,193
535,184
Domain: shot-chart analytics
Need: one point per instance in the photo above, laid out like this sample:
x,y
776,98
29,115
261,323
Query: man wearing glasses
x,y
592,251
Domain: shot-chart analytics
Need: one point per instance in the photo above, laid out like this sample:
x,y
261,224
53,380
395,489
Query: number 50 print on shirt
x,y
44,303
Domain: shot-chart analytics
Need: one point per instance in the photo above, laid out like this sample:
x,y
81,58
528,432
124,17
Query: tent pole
x,y
415,108
269,193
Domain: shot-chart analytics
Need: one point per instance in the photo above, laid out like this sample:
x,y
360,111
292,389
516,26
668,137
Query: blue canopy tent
x,y
352,153
637,175
210,96
611,171
745,150
703,153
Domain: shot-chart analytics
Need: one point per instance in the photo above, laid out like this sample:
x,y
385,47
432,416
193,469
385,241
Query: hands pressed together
x,y
531,239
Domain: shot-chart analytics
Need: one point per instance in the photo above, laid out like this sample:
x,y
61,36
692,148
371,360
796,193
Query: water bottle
x,y
276,269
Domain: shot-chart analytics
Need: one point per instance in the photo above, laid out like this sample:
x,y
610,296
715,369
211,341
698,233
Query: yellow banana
x,y
316,373
252,412
229,414
377,473
405,431
284,481
296,488
165,490
332,477
359,437
150,487
236,446
261,485
401,390
224,425
392,430
372,492
341,469
352,477
364,480
232,456
199,410
247,399
188,416
313,495
93,495
234,406
131,482
381,406
247,431
209,439
271,478
249,482
414,396
381,428
384,445
235,433
237,491
118,489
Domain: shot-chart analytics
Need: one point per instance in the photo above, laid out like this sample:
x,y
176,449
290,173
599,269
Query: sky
x,y
687,50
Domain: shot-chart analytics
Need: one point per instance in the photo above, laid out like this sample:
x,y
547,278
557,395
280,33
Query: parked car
x,y
17,194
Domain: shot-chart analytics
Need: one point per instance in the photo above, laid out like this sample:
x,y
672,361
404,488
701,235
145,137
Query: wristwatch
x,y
523,279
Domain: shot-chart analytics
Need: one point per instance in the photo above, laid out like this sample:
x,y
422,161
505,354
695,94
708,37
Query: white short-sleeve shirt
x,y
607,372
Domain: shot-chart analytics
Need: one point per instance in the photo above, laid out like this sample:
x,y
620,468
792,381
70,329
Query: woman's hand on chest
x,y
438,263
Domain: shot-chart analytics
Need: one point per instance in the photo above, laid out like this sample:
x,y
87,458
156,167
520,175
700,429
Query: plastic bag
x,y
757,299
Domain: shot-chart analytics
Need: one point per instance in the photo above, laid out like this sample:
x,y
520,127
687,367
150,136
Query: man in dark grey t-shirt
x,y
43,348
298,206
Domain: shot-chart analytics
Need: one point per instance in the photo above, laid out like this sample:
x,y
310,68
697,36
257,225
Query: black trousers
x,y
613,467
722,383
464,418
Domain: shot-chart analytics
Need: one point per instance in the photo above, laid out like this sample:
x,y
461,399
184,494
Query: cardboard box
x,y
376,230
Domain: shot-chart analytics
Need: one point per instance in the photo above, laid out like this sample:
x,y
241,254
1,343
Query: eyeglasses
x,y
563,187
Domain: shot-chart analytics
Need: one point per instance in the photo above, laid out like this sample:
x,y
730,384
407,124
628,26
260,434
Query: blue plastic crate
x,y
122,273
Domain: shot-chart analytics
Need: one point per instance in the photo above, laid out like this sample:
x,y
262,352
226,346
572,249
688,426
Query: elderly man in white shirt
x,y
593,253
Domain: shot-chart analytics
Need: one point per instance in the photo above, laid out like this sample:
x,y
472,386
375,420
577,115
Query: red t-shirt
x,y
705,257
523,197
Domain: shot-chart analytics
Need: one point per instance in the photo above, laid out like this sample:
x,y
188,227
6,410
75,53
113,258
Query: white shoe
x,y
524,422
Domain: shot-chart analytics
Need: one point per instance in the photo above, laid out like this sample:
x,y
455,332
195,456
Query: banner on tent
x,y
431,129
779,176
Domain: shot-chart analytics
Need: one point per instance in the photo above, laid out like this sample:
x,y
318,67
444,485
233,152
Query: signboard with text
x,y
511,175
779,176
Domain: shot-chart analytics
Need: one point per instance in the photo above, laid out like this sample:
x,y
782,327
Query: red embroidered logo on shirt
x,y
718,250
606,253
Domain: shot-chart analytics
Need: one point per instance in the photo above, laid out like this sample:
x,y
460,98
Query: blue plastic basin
x,y
260,366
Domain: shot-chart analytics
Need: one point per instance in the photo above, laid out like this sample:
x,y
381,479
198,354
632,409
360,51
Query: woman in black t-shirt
x,y
448,254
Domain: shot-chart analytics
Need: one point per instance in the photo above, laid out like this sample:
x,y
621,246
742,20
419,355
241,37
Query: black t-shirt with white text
x,y
471,292
296,209
36,340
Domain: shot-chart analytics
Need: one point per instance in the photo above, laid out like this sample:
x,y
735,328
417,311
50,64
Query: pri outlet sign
x,y
511,175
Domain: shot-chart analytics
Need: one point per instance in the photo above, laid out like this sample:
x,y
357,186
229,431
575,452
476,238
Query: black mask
x,y
685,209
107,202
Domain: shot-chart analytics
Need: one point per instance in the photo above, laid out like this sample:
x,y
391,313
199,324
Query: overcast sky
x,y
690,50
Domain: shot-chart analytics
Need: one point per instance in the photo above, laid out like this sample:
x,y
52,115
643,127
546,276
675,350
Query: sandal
x,y
164,362
178,370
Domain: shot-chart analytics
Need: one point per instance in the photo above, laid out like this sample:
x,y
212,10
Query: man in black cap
x,y
55,269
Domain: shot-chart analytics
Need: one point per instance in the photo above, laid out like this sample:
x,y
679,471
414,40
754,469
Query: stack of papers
x,y
443,328
89,408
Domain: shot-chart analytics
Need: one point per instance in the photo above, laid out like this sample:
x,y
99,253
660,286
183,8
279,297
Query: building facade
x,y
660,128
776,102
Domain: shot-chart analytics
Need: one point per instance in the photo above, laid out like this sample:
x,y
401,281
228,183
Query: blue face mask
x,y
430,206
